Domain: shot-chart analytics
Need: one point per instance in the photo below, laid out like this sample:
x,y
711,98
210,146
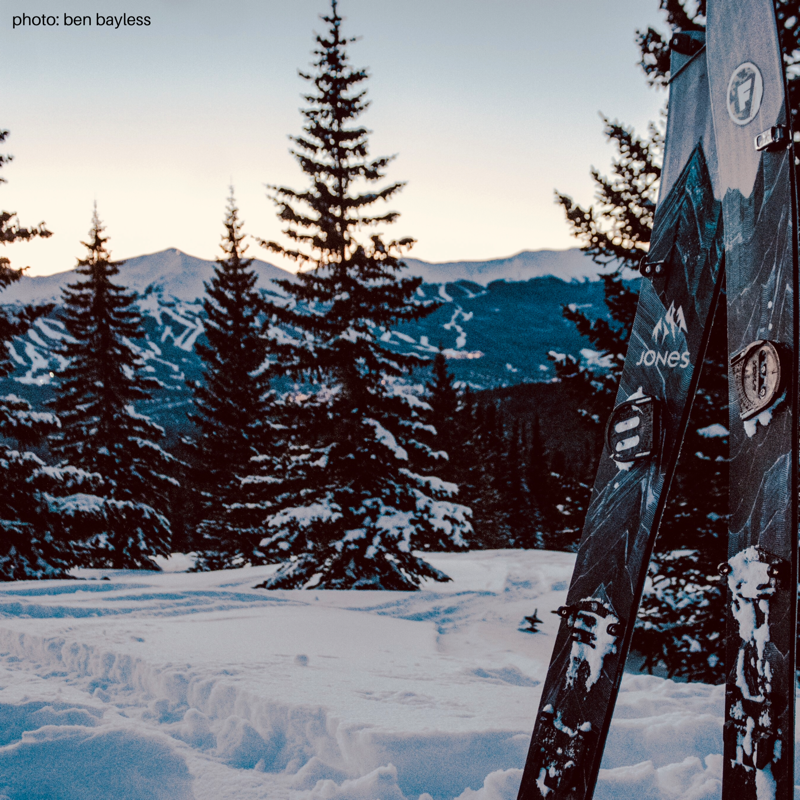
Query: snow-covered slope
x,y
195,686
172,327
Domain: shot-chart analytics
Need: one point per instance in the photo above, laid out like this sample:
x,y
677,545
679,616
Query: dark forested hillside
x,y
495,335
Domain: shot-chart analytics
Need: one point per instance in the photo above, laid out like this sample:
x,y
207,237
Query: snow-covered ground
x,y
172,686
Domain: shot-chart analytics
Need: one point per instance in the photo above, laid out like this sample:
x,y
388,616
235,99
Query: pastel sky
x,y
488,106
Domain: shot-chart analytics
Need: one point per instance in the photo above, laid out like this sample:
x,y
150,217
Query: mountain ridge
x,y
567,265
182,275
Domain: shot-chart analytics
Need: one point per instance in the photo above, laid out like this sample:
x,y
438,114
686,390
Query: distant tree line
x,y
523,489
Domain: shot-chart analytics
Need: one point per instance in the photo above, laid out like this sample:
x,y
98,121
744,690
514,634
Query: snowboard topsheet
x,y
665,352
755,183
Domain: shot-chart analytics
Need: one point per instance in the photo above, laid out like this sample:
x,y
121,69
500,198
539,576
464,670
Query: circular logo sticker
x,y
745,90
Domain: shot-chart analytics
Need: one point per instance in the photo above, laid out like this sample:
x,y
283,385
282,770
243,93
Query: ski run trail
x,y
131,685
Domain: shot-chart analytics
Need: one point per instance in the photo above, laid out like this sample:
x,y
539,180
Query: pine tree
x,y
17,322
100,431
539,480
442,397
445,443
467,470
615,232
28,547
490,479
44,510
230,403
522,517
356,497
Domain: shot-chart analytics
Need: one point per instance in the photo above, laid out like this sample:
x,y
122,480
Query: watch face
x,y
757,372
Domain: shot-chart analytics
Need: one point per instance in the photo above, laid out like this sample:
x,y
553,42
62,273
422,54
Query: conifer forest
x,y
313,445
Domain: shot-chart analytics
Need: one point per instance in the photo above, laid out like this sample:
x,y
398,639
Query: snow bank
x,y
52,761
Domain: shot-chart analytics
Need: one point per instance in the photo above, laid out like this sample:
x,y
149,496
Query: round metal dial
x,y
758,375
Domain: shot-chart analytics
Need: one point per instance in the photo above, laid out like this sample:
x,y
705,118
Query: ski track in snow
x,y
38,364
193,686
14,354
53,329
461,340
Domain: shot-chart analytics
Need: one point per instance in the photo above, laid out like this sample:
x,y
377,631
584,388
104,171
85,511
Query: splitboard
x,y
755,182
666,349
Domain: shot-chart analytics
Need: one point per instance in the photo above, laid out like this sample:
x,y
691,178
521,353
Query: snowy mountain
x,y
495,329
170,272
182,276
568,265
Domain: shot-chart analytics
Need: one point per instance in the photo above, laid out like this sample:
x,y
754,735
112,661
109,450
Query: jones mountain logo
x,y
671,326
745,90
672,322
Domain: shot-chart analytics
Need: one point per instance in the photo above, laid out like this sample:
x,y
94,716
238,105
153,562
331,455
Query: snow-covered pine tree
x,y
445,442
16,322
46,513
231,417
43,510
100,431
356,495
27,548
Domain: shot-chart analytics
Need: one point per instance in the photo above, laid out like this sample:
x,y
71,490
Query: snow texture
x,y
177,686
764,418
752,585
386,438
751,425
715,430
596,360
592,651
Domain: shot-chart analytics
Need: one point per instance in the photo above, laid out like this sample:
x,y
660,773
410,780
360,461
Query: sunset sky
x,y
488,106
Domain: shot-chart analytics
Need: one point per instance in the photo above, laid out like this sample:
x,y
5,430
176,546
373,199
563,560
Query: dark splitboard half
x,y
665,351
756,186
